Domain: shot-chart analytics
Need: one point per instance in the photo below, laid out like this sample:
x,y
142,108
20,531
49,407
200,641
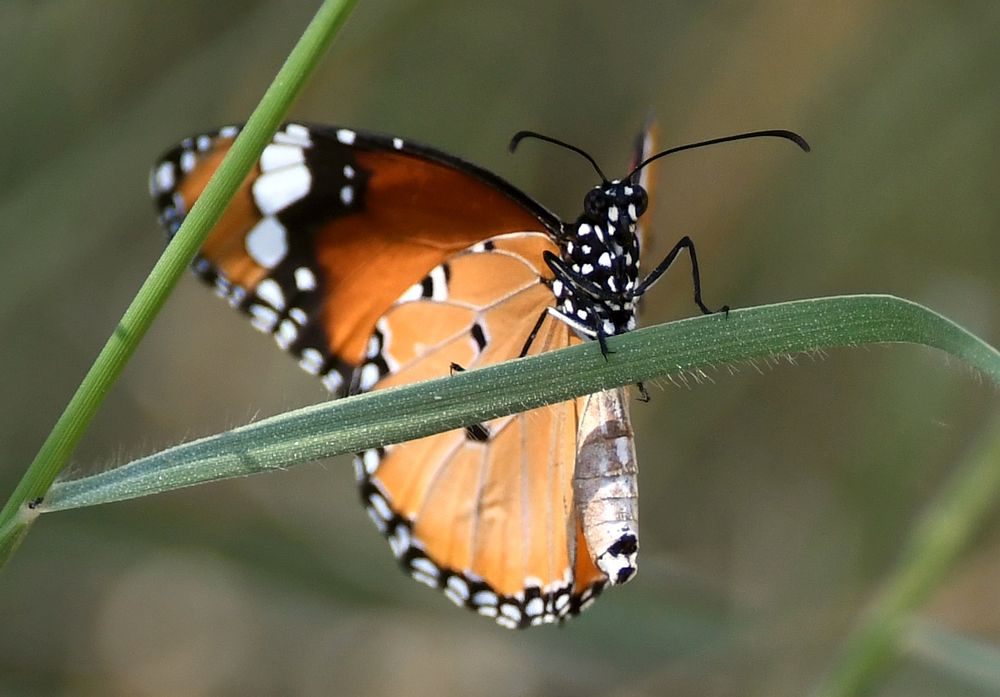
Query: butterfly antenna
x,y
521,135
787,135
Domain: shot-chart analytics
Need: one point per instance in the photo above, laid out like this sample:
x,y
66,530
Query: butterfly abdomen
x,y
605,485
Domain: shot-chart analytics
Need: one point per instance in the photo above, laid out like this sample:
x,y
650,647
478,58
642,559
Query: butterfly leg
x,y
602,340
534,332
577,282
684,243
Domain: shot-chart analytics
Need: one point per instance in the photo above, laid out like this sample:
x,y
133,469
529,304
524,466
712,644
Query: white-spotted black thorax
x,y
597,272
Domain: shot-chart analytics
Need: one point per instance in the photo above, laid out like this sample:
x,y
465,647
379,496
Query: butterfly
x,y
375,261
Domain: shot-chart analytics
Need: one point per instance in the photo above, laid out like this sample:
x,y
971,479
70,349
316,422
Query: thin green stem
x,y
17,515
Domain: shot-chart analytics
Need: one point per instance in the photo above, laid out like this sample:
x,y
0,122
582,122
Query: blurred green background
x,y
774,502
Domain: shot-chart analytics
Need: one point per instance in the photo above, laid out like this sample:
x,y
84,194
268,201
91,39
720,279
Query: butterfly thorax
x,y
597,273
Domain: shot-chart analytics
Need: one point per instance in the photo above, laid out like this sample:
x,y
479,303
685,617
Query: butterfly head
x,y
616,205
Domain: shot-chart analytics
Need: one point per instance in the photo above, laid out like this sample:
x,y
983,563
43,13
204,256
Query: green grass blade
x,y
679,349
16,516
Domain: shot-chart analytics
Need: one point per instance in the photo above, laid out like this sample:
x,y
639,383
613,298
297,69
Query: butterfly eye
x,y
595,203
640,200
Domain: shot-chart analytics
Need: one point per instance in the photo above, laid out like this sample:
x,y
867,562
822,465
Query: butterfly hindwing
x,y
486,515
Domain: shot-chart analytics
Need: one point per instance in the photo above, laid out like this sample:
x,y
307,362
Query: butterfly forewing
x,y
331,227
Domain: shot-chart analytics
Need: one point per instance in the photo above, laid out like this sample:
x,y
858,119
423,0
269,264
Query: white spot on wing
x,y
305,279
371,460
164,177
511,611
397,143
294,134
399,541
424,578
369,376
457,589
274,191
380,506
267,242
333,380
287,333
236,296
439,284
278,156
188,161
263,318
414,292
270,292
311,361
534,607
346,136
425,566
485,598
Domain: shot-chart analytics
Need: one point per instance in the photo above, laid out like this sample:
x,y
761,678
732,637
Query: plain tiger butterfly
x,y
376,262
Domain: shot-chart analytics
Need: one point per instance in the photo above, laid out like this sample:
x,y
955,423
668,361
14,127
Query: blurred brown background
x,y
773,504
